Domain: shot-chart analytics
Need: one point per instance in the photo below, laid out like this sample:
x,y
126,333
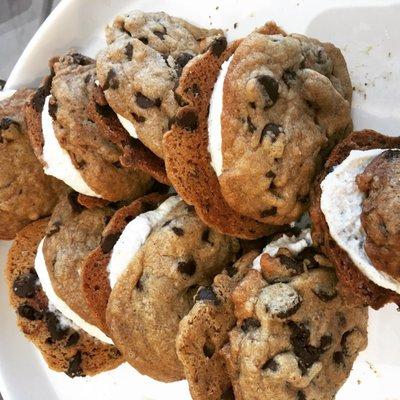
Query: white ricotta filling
x,y
57,160
134,236
295,244
68,317
341,203
129,127
214,120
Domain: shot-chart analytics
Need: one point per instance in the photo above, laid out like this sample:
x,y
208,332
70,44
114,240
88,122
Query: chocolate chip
x,y
161,34
187,120
269,212
250,323
187,267
57,332
80,59
2,84
181,61
250,126
218,46
231,270
144,40
252,105
73,339
271,364
205,236
138,118
289,77
194,90
301,395
129,51
117,164
28,312
139,285
144,102
343,340
73,201
338,358
270,88
108,242
40,96
6,122
49,341
270,174
111,80
272,131
104,110
208,349
178,231
325,342
324,295
180,100
87,79
74,366
25,286
228,394
207,294
54,228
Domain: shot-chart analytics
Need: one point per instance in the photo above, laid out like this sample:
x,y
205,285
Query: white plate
x,y
367,31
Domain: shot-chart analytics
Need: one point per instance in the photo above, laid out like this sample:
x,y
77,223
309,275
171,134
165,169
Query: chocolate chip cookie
x,y
357,284
94,158
141,66
381,184
286,102
296,337
204,331
156,291
64,348
26,193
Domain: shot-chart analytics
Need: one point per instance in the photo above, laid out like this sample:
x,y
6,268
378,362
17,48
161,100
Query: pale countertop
x,y
19,20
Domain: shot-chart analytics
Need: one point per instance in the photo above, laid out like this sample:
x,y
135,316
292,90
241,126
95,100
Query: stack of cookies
x,y
199,209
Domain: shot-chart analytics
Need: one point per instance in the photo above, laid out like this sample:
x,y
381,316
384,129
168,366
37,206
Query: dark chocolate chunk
x,y
272,131
73,201
111,80
207,294
250,126
54,228
205,236
39,98
80,59
271,364
28,312
343,340
324,295
6,122
208,349
250,323
187,267
270,174
289,77
57,332
181,61
301,395
144,102
252,105
161,34
338,358
228,394
25,286
129,51
269,212
108,242
218,46
325,342
104,110
188,120
73,339
144,40
74,367
178,231
138,118
270,88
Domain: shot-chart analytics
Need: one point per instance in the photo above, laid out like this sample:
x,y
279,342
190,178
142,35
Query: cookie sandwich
x,y
260,119
297,335
157,264
140,68
26,193
68,141
354,207
67,341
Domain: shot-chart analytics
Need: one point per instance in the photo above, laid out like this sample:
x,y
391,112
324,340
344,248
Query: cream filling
x,y
134,236
295,244
57,160
5,94
214,120
129,127
68,317
341,203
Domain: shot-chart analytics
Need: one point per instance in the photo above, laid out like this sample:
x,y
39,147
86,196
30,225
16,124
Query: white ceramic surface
x,y
367,31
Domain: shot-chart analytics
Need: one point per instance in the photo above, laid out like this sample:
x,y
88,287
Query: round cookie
x,y
381,184
95,275
204,331
286,102
64,348
73,232
26,193
187,158
140,68
296,337
156,291
95,159
353,281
